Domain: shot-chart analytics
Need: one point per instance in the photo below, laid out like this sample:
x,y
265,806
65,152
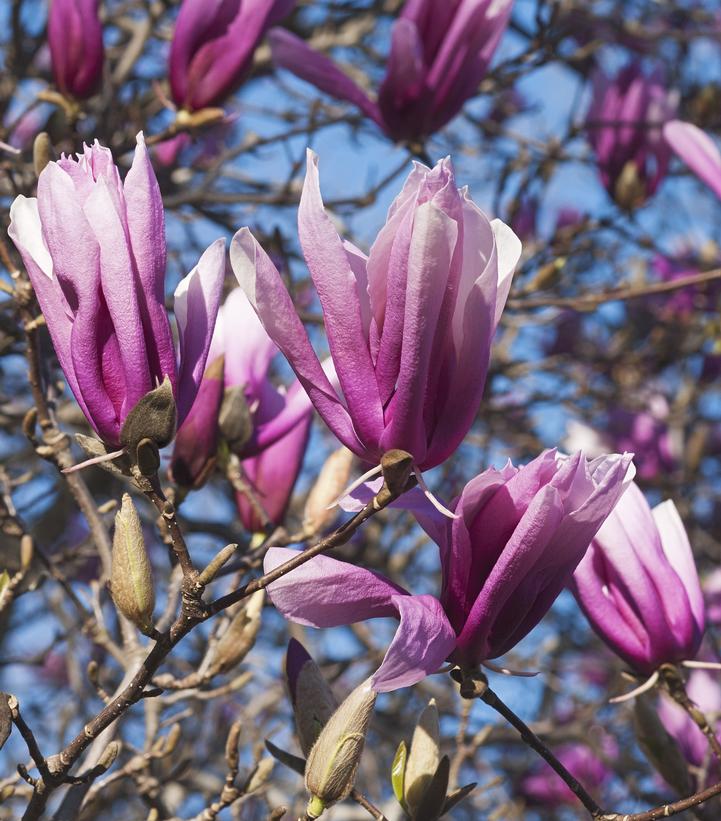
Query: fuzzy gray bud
x,y
131,580
333,762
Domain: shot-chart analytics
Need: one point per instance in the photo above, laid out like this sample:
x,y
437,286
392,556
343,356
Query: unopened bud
x,y
630,189
311,697
235,419
27,548
332,479
110,753
131,580
239,636
259,776
423,758
333,762
43,152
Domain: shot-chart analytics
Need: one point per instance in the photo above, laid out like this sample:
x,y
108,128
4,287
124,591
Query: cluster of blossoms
x,y
409,329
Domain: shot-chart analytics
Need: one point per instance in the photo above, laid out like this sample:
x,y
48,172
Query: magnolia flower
x,y
703,689
518,536
409,327
638,586
543,786
75,36
624,124
213,46
266,426
94,249
439,54
697,150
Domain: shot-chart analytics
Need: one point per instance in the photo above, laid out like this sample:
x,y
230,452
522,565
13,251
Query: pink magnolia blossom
x,y
94,249
638,585
409,327
519,535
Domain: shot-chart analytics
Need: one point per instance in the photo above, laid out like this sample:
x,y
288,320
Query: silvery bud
x,y
333,762
239,636
331,481
311,697
131,580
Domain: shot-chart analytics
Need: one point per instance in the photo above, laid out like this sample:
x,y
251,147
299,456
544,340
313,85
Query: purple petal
x,y
325,592
337,288
75,36
263,285
197,299
273,474
677,550
146,230
423,641
429,262
292,53
104,213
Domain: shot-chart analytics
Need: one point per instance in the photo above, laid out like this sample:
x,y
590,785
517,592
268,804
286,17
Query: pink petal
x,y
697,150
263,285
197,299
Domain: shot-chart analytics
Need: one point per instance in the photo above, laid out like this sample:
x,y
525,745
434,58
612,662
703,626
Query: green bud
x,y
131,580
423,758
333,762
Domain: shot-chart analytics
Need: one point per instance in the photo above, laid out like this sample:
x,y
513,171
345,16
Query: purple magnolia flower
x,y
213,47
439,54
409,327
646,434
697,150
76,46
94,248
519,534
241,354
703,689
624,124
683,302
544,787
638,586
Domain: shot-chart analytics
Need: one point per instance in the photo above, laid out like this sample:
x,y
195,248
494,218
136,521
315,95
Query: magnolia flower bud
x,y
333,762
310,695
239,636
423,758
332,479
131,580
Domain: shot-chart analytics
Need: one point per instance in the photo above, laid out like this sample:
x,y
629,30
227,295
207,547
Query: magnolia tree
x,y
406,503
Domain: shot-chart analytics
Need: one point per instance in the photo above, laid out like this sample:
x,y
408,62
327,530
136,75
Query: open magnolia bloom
x,y
409,327
440,52
94,249
638,585
517,538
